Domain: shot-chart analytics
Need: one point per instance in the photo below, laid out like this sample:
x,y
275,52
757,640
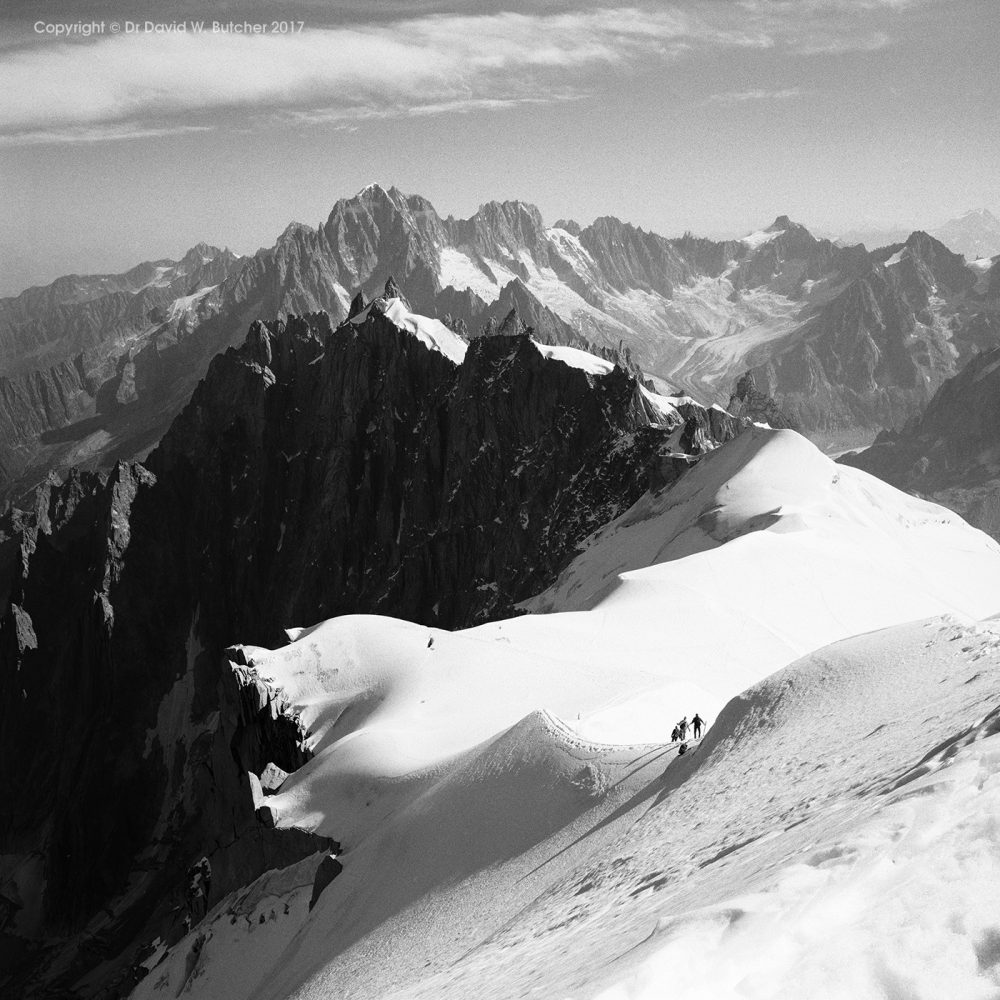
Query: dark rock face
x,y
748,401
315,471
951,452
631,258
144,768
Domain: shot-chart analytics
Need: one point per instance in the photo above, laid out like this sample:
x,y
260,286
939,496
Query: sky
x,y
128,134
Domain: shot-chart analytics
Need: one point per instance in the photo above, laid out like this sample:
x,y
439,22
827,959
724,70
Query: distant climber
x,y
682,728
696,723
675,735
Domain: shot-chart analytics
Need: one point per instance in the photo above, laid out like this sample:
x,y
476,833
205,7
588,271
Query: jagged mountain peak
x,y
511,209
920,237
357,305
201,252
980,213
611,223
512,325
295,229
375,200
753,403
375,191
507,221
944,266
571,226
782,230
925,244
783,223
392,290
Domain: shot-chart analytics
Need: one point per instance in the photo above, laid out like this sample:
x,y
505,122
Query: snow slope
x,y
835,838
505,763
760,237
432,333
575,358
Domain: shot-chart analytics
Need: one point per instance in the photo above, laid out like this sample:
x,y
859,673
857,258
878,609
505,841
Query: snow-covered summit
x,y
975,234
432,333
780,225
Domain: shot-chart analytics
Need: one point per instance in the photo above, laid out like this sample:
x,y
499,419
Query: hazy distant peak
x,y
980,213
974,234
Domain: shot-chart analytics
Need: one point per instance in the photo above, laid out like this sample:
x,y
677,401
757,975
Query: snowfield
x,y
760,237
432,333
575,358
515,822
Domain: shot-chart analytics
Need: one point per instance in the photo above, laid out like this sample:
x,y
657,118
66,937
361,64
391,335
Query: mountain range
x,y
975,234
846,340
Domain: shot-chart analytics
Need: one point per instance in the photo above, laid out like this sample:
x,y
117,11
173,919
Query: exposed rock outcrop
x,y
748,401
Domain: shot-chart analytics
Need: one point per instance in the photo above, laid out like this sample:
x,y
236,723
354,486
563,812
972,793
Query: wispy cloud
x,y
118,131
143,84
744,96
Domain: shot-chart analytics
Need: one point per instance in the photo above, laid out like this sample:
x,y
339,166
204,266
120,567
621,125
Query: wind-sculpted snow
x,y
788,549
500,792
